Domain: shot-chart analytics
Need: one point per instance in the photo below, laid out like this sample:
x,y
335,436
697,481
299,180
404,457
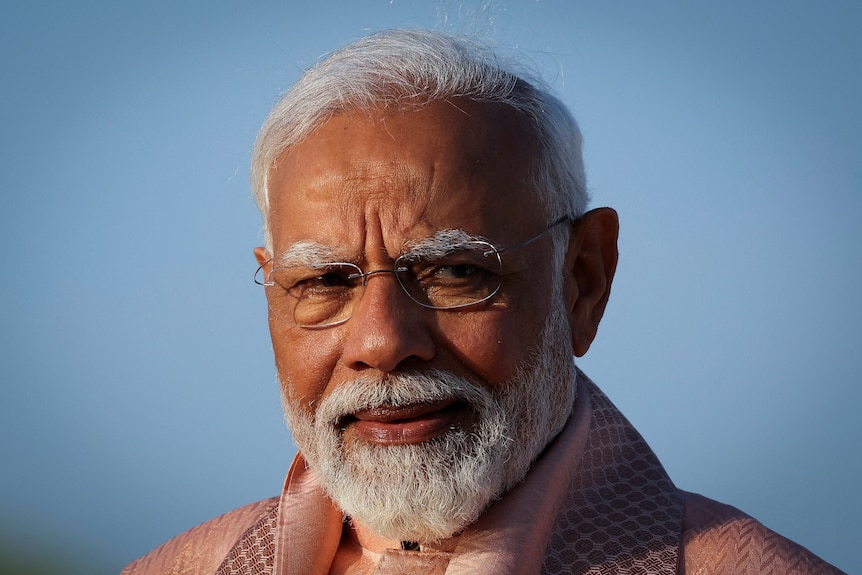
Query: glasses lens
x,y
467,274
317,295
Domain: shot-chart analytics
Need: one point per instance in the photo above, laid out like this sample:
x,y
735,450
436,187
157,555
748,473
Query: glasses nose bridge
x,y
364,276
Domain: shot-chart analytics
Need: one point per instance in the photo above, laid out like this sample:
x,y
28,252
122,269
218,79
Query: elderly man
x,y
430,269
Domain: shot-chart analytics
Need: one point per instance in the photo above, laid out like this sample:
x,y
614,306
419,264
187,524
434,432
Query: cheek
x,y
501,341
493,348
305,360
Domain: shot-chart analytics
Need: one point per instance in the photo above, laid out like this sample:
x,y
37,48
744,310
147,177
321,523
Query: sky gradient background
x,y
138,389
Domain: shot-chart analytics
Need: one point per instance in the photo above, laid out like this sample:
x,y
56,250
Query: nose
x,y
387,329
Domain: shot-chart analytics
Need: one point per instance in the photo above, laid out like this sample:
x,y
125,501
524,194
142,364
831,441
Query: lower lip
x,y
408,431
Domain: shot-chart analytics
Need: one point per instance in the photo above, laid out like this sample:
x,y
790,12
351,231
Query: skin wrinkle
x,y
377,183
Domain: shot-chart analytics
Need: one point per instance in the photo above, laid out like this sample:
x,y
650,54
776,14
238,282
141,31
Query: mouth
x,y
408,424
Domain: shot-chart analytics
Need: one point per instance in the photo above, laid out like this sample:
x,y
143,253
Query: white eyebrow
x,y
306,253
440,244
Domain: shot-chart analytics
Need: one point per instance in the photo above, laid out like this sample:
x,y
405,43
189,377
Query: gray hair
x,y
411,68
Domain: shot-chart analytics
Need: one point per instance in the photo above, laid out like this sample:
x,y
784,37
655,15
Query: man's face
x,y
362,189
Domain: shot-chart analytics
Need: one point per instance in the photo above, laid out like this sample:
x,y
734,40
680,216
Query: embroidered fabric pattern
x,y
254,553
623,514
725,540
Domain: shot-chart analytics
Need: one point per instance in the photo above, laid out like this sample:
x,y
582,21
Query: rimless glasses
x,y
325,294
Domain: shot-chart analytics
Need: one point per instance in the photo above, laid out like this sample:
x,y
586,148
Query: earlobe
x,y
591,262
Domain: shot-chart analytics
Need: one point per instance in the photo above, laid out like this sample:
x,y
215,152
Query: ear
x,y
591,261
262,256
265,261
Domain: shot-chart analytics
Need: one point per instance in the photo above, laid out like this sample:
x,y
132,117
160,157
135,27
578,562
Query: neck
x,y
367,539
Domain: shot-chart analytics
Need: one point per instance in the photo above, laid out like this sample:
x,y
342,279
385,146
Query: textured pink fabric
x,y
722,540
398,562
202,549
622,513
255,552
309,525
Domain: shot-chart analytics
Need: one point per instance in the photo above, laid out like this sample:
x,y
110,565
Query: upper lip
x,y
388,414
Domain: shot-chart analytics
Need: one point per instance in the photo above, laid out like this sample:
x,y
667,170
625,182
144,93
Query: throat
x,y
367,539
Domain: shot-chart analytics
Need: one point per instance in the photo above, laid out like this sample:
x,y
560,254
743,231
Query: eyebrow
x,y
306,253
442,243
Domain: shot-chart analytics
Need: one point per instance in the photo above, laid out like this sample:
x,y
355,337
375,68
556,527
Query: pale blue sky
x,y
138,393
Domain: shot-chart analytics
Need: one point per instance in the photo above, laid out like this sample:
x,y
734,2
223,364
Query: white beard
x,y
429,491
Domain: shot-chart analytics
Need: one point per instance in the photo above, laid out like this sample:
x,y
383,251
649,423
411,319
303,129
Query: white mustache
x,y
399,390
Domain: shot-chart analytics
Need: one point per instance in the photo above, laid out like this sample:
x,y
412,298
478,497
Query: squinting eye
x,y
453,274
458,271
332,279
315,280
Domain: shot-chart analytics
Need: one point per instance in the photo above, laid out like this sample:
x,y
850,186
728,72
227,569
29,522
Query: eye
x,y
458,270
331,279
317,280
455,271
457,280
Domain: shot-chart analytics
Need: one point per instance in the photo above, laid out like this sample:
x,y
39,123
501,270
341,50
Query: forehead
x,y
377,176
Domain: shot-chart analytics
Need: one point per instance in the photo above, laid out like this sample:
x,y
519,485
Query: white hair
x,y
406,69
